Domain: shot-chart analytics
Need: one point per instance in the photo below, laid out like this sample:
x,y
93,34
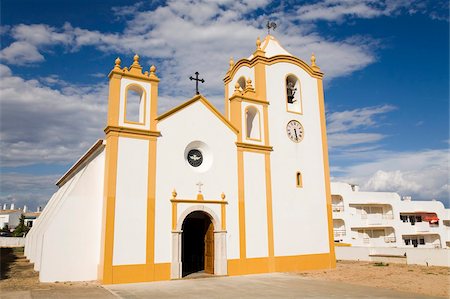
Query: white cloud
x,y
338,10
422,174
40,124
344,127
21,53
26,189
184,37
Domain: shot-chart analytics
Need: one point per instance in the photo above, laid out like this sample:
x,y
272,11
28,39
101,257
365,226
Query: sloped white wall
x,y
65,242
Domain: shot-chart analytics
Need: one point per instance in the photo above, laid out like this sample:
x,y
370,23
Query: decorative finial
x,y
237,88
222,196
248,85
314,66
118,61
152,70
174,193
231,62
136,61
258,44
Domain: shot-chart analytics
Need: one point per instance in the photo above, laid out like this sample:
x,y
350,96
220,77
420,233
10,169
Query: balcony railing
x,y
338,208
339,233
389,239
366,240
388,216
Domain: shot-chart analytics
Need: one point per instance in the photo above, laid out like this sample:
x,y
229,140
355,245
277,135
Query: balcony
x,y
422,227
389,239
338,233
377,219
338,208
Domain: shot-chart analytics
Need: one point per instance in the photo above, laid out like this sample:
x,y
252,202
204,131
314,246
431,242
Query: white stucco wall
x,y
255,205
299,214
130,222
195,123
71,238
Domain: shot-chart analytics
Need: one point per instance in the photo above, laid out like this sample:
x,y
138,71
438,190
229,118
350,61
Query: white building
x,y
10,218
383,219
193,189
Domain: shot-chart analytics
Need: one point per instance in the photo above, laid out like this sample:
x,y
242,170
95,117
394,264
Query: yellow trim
x,y
176,201
223,215
246,124
227,109
326,171
106,258
241,205
114,100
269,204
141,273
135,133
174,215
269,61
151,198
205,201
280,264
254,147
207,104
244,98
300,92
153,105
143,97
299,179
342,244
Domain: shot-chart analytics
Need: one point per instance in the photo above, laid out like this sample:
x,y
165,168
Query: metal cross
x,y
269,25
196,81
199,184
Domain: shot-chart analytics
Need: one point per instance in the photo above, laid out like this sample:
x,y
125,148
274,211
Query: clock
x,y
195,157
295,131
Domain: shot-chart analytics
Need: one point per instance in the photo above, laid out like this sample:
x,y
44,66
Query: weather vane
x,y
269,25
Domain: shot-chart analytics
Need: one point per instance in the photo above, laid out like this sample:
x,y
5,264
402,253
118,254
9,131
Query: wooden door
x,y
209,249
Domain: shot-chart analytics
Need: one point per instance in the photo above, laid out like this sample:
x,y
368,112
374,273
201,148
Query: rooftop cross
x,y
269,25
196,81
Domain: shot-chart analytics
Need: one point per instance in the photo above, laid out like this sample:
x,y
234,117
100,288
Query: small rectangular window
x,y
422,241
299,179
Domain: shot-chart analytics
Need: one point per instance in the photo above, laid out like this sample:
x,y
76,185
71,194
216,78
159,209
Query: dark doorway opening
x,y
197,247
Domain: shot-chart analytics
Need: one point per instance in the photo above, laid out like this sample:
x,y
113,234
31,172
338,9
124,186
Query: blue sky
x,y
386,67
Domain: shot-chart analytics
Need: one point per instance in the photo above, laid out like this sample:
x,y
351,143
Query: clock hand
x,y
296,136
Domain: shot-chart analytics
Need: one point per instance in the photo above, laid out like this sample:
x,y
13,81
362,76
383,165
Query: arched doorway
x,y
197,245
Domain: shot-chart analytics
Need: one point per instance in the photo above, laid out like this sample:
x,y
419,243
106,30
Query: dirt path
x,y
432,281
17,274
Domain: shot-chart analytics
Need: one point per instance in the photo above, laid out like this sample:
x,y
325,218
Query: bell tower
x,y
276,101
130,175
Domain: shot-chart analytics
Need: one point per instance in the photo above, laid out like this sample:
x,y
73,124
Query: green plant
x,y
21,230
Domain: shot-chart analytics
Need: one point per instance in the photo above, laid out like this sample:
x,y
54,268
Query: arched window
x,y
293,94
298,179
241,82
252,122
134,104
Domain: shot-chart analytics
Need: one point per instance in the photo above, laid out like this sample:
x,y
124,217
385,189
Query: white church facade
x,y
163,196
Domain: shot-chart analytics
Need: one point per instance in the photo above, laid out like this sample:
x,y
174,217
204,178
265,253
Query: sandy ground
x,y
17,274
432,281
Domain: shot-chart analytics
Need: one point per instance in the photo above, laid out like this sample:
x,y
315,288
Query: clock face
x,y
195,157
295,131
